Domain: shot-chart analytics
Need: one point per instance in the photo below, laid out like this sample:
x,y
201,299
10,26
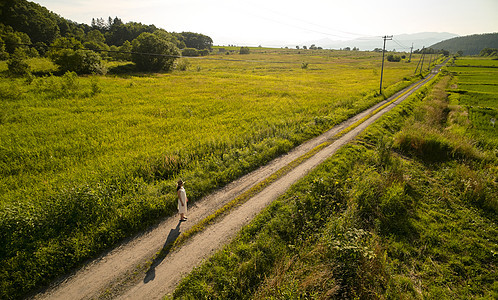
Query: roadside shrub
x,y
476,187
203,52
54,87
11,91
432,146
95,88
359,261
427,145
393,208
17,65
244,50
79,61
393,58
183,64
190,52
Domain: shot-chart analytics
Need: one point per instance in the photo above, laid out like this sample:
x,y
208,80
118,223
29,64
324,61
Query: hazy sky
x,y
287,22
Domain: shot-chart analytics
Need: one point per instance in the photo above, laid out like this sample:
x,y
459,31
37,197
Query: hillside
x,y
469,45
401,42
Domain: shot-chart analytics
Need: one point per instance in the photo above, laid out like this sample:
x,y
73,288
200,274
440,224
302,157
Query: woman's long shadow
x,y
172,236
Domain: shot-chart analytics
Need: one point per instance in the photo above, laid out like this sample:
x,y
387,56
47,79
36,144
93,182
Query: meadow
x,y
88,161
406,211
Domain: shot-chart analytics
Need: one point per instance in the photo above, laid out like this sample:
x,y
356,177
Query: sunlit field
x,y
88,161
476,88
406,211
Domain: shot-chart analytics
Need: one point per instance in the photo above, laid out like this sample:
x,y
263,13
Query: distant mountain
x,y
401,42
470,45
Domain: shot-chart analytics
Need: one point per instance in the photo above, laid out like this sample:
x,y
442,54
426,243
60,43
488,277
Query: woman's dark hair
x,y
179,184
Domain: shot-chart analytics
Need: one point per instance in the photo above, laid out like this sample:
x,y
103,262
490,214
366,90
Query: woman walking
x,y
182,200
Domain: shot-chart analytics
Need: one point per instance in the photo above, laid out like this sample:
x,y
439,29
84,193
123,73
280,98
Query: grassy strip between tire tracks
x,y
272,178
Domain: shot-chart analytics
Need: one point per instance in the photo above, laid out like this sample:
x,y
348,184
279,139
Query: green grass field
x,y
87,161
407,211
476,88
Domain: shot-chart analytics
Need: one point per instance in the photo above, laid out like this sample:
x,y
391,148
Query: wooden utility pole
x,y
390,37
411,51
421,57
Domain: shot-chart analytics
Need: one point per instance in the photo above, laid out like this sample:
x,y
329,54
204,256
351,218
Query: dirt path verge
x,y
127,272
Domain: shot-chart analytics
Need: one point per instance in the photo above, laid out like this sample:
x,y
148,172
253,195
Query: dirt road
x,y
125,273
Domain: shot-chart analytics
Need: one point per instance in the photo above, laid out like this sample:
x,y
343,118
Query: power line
x,y
323,29
401,45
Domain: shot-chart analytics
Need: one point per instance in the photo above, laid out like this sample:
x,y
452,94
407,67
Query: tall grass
x,y
377,220
88,161
280,243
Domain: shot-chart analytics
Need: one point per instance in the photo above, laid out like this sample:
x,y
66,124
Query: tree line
x,y
28,30
469,45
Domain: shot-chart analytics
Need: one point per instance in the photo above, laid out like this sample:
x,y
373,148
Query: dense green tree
x,y
114,53
99,24
62,44
172,38
13,39
31,18
3,54
153,53
444,52
117,22
122,53
119,32
125,50
79,61
244,50
95,41
190,52
97,47
95,36
393,58
17,65
197,40
78,33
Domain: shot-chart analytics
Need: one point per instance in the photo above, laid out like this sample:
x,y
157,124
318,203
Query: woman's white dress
x,y
183,196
